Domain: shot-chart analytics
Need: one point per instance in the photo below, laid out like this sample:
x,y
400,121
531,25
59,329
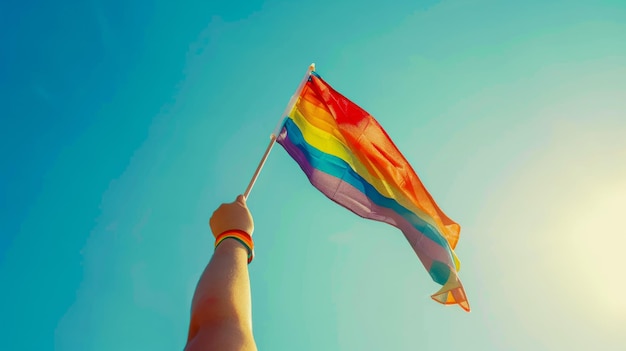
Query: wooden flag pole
x,y
277,130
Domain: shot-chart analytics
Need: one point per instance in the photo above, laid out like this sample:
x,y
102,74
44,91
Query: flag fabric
x,y
348,156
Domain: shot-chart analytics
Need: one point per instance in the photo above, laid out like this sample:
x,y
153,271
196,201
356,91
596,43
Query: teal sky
x,y
124,126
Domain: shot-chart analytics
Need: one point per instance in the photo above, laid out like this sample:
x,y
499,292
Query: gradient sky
x,y
123,126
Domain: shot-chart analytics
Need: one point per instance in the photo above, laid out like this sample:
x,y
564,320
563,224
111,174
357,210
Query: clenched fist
x,y
232,216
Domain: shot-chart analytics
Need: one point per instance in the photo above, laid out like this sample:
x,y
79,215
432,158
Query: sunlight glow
x,y
598,242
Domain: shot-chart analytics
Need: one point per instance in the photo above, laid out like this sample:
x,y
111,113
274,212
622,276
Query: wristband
x,y
244,238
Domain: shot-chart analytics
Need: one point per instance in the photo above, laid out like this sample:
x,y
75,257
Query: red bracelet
x,y
244,238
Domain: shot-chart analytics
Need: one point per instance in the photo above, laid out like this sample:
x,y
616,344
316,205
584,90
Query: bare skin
x,y
221,309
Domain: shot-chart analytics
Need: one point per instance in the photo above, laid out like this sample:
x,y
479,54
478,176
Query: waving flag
x,y
348,156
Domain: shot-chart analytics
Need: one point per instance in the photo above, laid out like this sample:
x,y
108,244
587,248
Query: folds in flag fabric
x,y
348,156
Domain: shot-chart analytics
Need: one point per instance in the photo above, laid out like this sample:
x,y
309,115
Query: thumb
x,y
241,199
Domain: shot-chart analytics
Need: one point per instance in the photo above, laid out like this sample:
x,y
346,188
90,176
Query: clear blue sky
x,y
124,126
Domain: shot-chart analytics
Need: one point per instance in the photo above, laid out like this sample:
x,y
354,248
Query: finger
x,y
211,220
215,213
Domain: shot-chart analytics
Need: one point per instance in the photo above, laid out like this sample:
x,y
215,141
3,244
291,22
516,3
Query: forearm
x,y
221,317
223,292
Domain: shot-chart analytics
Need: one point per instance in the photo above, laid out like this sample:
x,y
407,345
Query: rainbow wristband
x,y
244,238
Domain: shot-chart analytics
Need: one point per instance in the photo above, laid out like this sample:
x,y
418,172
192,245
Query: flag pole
x,y
277,130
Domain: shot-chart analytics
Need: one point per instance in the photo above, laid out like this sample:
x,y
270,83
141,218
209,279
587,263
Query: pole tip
x,y
312,67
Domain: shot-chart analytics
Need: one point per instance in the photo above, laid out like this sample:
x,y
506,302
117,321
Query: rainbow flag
x,y
348,156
